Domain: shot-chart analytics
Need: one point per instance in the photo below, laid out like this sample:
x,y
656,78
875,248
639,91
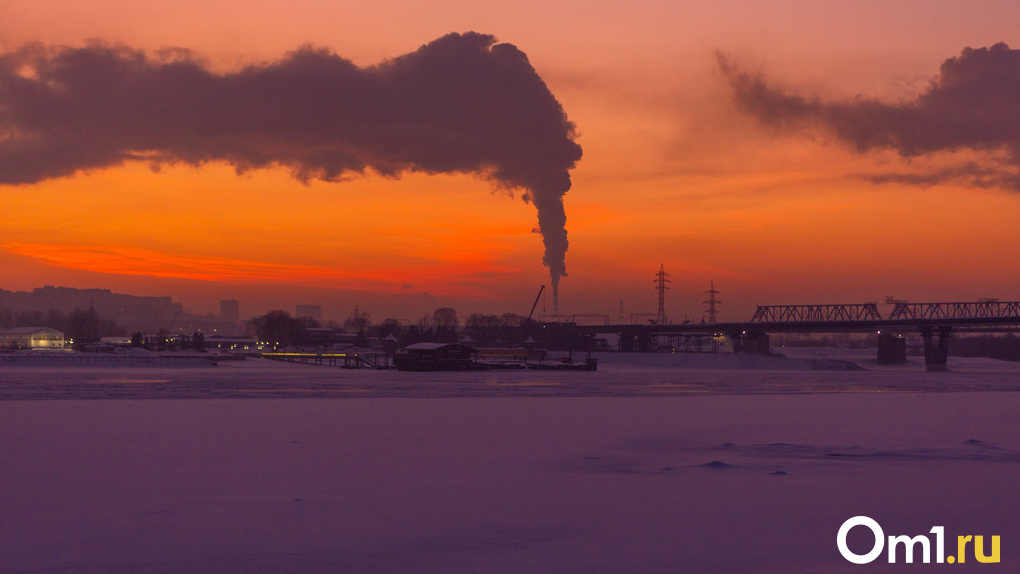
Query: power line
x,y
712,302
660,281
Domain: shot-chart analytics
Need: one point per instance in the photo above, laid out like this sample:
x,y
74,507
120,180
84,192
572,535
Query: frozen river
x,y
645,466
619,375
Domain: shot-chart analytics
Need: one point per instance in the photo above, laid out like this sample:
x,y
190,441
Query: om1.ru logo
x,y
908,544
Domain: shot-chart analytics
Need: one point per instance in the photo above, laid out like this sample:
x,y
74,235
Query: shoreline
x,y
619,375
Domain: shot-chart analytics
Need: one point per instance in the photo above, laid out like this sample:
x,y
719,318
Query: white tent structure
x,y
32,338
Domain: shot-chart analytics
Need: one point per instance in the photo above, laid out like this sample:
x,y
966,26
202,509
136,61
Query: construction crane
x,y
535,304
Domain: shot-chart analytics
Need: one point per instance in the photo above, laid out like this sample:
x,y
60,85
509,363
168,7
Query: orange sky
x,y
672,171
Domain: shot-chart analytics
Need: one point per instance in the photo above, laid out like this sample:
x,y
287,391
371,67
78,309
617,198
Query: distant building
x,y
312,311
128,311
230,310
32,338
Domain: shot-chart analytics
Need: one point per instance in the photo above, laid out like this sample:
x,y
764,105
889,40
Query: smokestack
x,y
556,296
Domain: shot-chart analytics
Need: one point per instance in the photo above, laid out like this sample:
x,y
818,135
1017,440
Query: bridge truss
x,y
815,313
902,311
935,322
976,310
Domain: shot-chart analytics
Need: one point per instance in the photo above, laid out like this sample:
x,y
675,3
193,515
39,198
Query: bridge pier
x,y
755,342
936,351
644,343
636,343
892,350
626,342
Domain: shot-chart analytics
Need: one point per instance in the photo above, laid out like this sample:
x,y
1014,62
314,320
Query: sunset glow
x,y
729,142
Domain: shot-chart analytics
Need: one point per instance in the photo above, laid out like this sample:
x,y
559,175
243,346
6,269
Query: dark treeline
x,y
80,325
441,326
1005,347
495,330
279,328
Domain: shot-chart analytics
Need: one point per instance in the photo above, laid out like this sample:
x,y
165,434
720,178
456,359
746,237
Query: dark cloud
x,y
973,104
460,104
968,173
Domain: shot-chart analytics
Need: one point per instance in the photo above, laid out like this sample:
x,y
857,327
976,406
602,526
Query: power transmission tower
x,y
660,281
712,302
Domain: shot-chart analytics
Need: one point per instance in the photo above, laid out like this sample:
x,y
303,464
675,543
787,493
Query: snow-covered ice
x,y
649,465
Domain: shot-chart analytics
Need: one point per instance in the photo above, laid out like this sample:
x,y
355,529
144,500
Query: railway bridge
x,y
935,322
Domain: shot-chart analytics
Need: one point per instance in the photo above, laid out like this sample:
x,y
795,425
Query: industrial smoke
x,y
971,104
460,104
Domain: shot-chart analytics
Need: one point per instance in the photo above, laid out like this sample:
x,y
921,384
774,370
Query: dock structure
x,y
343,360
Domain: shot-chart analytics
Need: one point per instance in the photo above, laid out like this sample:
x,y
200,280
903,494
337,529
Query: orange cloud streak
x,y
447,276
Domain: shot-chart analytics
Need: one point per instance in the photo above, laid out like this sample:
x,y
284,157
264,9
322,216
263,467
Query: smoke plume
x,y
460,104
974,104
